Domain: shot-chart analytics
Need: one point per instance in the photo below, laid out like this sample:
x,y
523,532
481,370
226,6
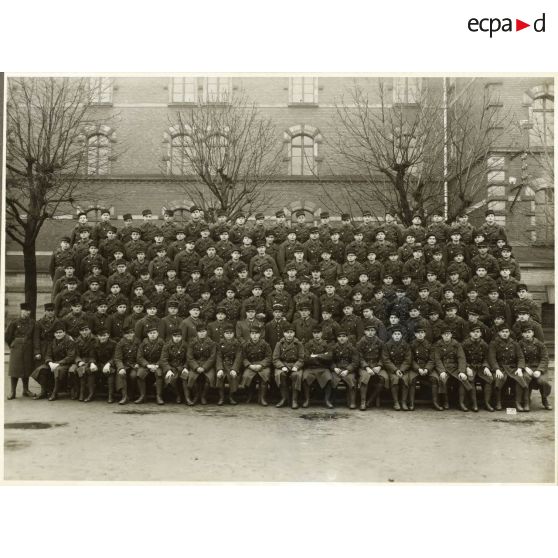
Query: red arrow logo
x,y
519,25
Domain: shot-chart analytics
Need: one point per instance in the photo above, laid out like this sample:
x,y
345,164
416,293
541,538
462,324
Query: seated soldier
x,y
149,354
257,362
126,363
83,369
173,361
229,359
536,366
344,364
476,357
371,371
288,359
396,359
423,367
316,367
104,363
201,365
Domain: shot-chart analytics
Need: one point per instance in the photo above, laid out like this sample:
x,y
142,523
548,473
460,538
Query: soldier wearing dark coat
x,y
257,355
450,362
423,368
82,371
202,353
104,350
173,362
476,357
371,370
506,360
20,338
317,358
288,360
126,363
44,332
229,360
149,354
396,360
536,366
344,366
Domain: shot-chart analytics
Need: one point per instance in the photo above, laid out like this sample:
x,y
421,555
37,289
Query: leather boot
x,y
26,392
204,390
249,393
177,394
232,400
474,404
546,403
519,398
327,396
498,397
461,393
445,404
363,390
395,396
187,396
110,389
435,402
124,399
306,390
221,395
159,391
412,389
82,381
74,388
284,394
404,395
90,388
42,394
295,398
54,394
374,398
352,398
142,390
262,394
13,387
487,392
526,400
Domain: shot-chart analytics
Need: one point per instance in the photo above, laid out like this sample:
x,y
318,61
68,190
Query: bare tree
x,y
399,155
46,157
225,154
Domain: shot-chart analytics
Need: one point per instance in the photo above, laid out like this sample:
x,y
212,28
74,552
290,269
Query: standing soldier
x,y
506,359
281,229
43,335
201,364
536,366
288,359
396,359
491,230
126,363
450,361
257,361
60,356
20,338
344,365
371,371
229,359
317,357
149,354
173,361
169,227
61,257
476,356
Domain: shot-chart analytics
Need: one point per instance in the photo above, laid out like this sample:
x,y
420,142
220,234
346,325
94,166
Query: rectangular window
x,y
184,90
303,90
406,91
541,133
218,89
101,90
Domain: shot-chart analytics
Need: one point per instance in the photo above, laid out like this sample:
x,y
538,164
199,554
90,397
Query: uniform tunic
x,y
20,338
149,352
201,354
450,358
397,356
259,353
61,351
289,354
173,359
229,357
370,352
126,358
421,357
316,368
536,358
476,357
344,356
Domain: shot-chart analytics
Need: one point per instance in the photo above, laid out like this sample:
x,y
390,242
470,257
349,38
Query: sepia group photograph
x,y
279,278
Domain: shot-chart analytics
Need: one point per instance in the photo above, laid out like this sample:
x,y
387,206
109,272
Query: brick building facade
x,y
141,113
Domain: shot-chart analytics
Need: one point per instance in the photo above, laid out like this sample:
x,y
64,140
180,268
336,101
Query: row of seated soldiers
x,y
191,360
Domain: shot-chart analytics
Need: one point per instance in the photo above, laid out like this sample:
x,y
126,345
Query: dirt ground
x,y
71,441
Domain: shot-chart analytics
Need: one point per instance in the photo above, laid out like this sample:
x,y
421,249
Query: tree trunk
x,y
30,270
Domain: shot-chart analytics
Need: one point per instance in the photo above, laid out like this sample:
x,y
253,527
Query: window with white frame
x,y
184,90
303,90
217,89
98,155
541,133
406,90
302,156
101,90
180,159
217,152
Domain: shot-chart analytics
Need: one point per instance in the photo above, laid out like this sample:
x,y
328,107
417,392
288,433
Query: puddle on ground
x,y
517,422
138,412
33,425
324,416
16,444
214,413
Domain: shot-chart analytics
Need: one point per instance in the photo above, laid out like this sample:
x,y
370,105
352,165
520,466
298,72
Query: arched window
x,y
98,155
303,156
541,133
181,155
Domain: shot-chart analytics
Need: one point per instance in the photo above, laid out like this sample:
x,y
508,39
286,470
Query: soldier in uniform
x,y
83,368
524,302
125,233
344,365
476,357
104,361
288,360
260,261
60,356
173,361
202,353
281,229
300,228
229,360
126,363
62,256
371,371
316,367
423,368
101,228
20,337
257,356
491,230
149,354
396,360
42,337
536,367
169,227
148,228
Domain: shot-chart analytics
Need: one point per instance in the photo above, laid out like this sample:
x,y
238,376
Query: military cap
x,y
413,306
453,272
325,249
69,264
93,245
118,251
25,306
433,311
231,288
314,230
371,251
420,328
521,287
103,331
128,330
350,252
400,289
229,328
173,304
221,213
127,217
279,214
250,306
505,266
329,283
257,286
59,326
201,327
194,305
149,305
342,275
367,214
300,213
326,310
345,217
137,302
446,329
527,328
506,247
475,328
316,329
451,306
175,332
341,333
151,328
417,216
523,310
194,208
85,228
417,247
221,309
260,243
370,326
49,306
288,327
71,281
277,306
388,275
255,329
304,306
121,262
65,239
83,326
112,229
324,215
81,213
455,232
333,231
101,302
190,240
260,216
380,230
489,212
472,289
396,329
169,212
304,279
503,326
